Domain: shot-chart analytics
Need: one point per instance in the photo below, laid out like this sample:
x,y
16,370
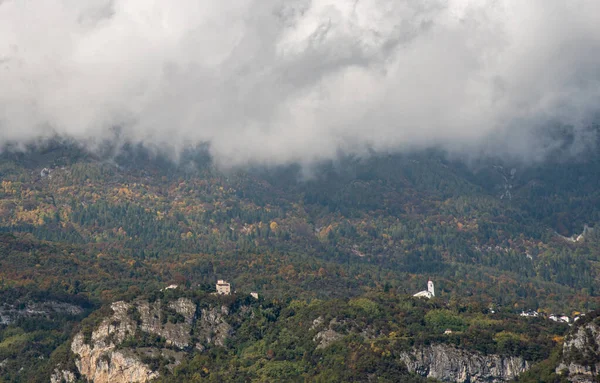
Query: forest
x,y
87,229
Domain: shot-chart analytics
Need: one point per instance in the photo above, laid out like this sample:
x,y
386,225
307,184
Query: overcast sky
x,y
275,81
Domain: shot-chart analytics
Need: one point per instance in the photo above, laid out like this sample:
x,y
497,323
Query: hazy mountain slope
x,y
117,227
364,222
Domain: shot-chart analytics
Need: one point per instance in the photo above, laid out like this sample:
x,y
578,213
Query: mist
x,y
283,81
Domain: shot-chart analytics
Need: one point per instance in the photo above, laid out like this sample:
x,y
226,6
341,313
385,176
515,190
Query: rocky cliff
x,y
141,340
140,337
9,313
100,361
450,364
581,353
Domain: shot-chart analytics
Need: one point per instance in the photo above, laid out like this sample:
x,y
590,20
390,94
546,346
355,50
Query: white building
x,y
223,288
254,295
429,293
560,318
530,314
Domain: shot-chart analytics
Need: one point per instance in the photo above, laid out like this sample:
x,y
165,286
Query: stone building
x,y
223,288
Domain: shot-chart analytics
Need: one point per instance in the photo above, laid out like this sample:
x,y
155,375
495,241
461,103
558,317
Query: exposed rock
x,y
10,313
175,357
107,358
337,329
103,364
581,355
60,376
115,329
120,350
317,322
326,337
185,307
213,328
450,364
224,310
368,333
176,334
579,373
99,362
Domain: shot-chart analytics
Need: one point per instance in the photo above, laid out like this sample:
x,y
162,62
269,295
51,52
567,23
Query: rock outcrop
x,y
100,362
116,351
60,376
213,328
104,364
176,334
449,364
326,337
336,330
140,338
581,353
10,313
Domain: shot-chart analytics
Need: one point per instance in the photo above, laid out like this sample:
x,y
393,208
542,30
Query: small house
x,y
223,287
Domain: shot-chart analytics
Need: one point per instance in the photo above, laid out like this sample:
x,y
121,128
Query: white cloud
x,y
297,80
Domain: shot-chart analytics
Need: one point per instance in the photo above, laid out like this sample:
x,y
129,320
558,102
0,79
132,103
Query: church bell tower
x,y
430,288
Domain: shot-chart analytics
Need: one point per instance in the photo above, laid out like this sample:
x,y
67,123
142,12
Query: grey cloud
x,y
276,81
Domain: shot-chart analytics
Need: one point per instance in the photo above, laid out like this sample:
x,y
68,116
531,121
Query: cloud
x,y
278,81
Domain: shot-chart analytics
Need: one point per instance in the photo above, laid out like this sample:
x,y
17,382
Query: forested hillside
x,y
92,229
339,230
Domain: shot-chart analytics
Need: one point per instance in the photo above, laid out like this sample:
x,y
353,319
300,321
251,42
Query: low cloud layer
x,y
276,81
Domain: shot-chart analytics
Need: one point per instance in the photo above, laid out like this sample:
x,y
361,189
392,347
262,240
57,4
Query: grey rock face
x,y
10,313
176,334
326,337
100,362
105,359
60,376
213,328
581,355
118,348
450,364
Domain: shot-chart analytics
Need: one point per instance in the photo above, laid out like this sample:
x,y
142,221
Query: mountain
x,y
89,229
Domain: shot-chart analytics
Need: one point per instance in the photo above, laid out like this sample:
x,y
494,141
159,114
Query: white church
x,y
429,293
